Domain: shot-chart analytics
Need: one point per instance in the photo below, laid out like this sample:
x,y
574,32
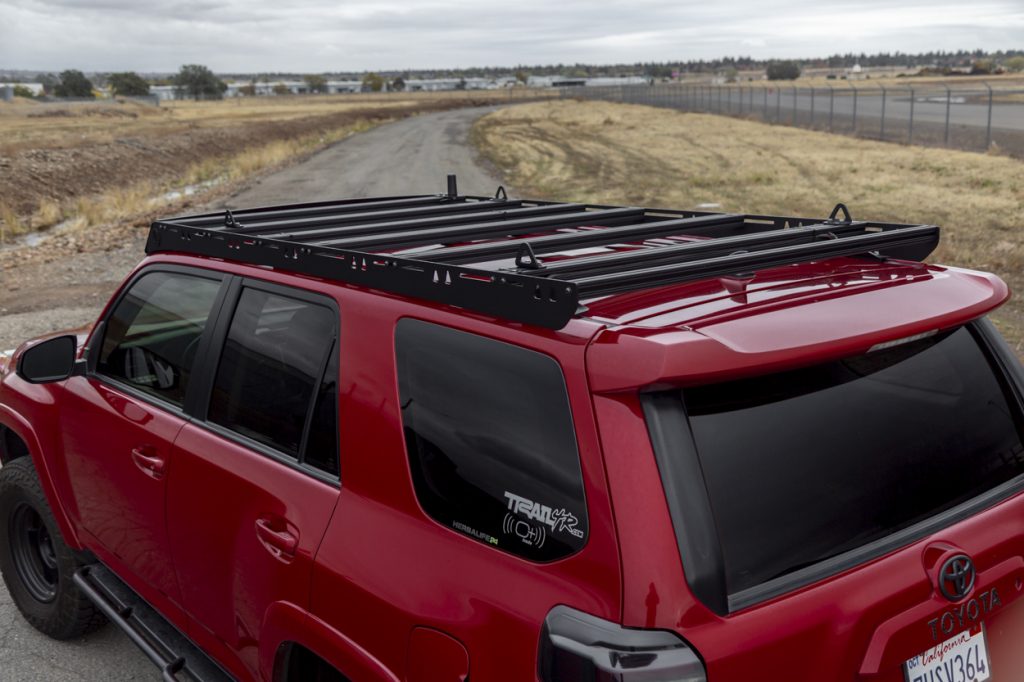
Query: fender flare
x,y
23,430
285,623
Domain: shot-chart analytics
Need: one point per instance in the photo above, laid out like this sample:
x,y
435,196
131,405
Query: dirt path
x,y
412,155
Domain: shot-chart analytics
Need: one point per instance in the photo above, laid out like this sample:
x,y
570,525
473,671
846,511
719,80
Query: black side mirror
x,y
51,360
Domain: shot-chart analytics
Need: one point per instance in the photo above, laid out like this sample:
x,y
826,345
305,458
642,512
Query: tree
x,y
73,83
248,90
783,71
1015,64
198,82
982,67
461,85
48,81
522,77
373,82
398,85
316,83
128,83
22,91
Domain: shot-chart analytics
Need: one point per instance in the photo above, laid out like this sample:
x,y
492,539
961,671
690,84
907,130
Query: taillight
x,y
578,647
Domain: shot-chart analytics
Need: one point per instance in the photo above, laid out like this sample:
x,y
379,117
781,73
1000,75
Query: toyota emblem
x,y
956,577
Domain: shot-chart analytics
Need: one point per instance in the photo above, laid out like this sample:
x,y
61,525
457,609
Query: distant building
x,y
36,88
596,82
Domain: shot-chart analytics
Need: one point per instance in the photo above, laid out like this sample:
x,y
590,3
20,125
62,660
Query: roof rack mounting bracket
x,y
527,259
500,193
453,186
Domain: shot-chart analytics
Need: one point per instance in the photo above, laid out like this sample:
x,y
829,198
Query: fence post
x,y
854,87
910,132
831,106
988,129
813,89
949,100
884,94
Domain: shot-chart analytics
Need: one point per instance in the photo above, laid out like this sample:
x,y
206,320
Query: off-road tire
x,y
64,612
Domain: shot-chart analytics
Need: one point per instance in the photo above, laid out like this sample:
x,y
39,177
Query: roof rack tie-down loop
x,y
526,258
832,218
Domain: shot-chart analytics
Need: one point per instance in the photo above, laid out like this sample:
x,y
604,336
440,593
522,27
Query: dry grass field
x,y
110,161
616,153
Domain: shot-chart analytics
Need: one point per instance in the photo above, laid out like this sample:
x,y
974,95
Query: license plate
x,y
963,658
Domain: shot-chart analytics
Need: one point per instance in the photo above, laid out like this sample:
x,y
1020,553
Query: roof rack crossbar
x,y
693,250
407,238
921,238
610,235
373,224
323,223
255,215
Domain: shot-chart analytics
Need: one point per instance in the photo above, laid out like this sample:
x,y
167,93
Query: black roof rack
x,y
525,261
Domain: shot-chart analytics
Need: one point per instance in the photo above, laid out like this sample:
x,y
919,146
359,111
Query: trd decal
x,y
558,520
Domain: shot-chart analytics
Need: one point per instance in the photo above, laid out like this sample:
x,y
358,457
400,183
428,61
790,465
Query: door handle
x,y
281,543
146,458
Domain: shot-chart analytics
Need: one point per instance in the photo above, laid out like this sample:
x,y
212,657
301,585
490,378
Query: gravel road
x,y
407,157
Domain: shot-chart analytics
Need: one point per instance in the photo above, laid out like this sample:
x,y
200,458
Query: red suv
x,y
451,437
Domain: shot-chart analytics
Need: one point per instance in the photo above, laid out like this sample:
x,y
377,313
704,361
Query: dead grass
x,y
34,125
617,153
128,204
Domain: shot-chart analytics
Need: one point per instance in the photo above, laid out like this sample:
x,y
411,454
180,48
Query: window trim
x,y
96,344
692,528
198,410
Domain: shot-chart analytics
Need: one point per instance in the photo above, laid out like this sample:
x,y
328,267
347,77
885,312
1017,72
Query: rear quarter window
x,y
490,439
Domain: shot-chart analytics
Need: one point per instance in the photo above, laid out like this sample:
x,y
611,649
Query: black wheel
x,y
36,564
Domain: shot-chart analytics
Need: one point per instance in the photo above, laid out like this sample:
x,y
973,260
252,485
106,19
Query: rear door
x,y
256,474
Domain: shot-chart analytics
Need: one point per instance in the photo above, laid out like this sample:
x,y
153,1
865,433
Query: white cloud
x,y
321,35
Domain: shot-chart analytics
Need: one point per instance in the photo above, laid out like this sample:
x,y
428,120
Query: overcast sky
x,y
352,35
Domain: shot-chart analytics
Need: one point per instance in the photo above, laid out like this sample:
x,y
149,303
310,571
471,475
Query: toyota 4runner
x,y
456,437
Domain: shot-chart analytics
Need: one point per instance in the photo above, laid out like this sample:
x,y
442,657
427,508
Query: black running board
x,y
174,653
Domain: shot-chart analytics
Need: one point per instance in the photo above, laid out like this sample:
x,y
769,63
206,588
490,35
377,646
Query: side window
x,y
152,335
270,372
490,440
322,444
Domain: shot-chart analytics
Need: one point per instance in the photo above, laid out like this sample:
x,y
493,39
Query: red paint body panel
x,y
119,504
217,492
382,592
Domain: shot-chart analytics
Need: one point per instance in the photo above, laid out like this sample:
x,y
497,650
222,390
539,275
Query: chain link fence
x,y
976,117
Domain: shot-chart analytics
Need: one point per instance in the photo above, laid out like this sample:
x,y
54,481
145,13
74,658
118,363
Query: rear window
x,y
805,465
490,439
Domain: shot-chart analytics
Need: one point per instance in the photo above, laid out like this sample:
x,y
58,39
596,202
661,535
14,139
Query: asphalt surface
x,y
412,156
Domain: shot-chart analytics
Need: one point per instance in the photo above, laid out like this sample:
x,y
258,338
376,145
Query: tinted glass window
x,y
271,365
151,338
490,440
322,444
809,464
